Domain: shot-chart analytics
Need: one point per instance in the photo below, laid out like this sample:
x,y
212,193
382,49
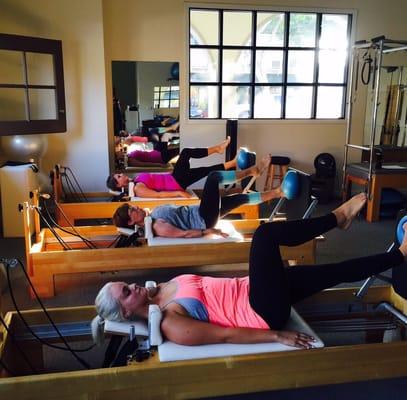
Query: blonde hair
x,y
107,307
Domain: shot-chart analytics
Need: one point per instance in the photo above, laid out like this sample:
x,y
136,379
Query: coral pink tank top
x,y
158,182
226,300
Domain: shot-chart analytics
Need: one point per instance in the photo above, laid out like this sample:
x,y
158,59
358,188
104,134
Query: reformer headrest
x,y
148,229
140,328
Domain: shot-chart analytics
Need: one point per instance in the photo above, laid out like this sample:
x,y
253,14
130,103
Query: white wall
x,y
79,24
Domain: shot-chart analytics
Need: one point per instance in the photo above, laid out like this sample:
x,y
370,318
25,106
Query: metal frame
x,y
379,46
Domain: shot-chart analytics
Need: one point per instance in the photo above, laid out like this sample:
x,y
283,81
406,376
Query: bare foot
x,y
346,213
223,145
262,165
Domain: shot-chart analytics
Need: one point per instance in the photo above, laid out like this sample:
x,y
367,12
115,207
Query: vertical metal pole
x,y
379,55
354,57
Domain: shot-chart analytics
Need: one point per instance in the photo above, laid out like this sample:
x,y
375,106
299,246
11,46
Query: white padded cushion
x,y
224,225
135,198
125,231
169,351
140,327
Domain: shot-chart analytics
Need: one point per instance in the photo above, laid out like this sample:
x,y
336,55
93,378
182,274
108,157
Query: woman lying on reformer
x,y
197,220
202,310
173,184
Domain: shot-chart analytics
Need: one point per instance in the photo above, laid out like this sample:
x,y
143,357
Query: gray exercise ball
x,y
24,147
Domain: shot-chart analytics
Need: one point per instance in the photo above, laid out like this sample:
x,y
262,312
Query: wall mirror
x,y
145,112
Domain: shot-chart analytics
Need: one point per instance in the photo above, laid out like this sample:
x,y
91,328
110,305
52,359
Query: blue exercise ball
x,y
291,185
175,71
400,229
243,158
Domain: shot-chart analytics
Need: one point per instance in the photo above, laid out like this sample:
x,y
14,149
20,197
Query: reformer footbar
x,y
299,202
396,280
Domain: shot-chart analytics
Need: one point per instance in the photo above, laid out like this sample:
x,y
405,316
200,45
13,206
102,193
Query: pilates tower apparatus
x,y
372,54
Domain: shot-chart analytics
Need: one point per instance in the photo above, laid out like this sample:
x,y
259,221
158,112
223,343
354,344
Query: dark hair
x,y
111,182
121,216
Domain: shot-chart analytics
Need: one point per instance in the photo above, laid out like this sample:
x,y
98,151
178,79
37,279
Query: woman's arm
x,y
165,229
185,330
141,190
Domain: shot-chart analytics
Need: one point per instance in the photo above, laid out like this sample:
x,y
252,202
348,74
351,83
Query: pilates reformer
x,y
146,377
68,212
47,256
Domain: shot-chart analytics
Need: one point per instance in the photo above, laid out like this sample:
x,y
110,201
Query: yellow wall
x,y
95,32
79,24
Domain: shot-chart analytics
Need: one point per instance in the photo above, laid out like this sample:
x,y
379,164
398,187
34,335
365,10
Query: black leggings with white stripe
x,y
274,287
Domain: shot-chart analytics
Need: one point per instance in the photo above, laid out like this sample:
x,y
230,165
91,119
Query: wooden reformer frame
x,y
105,209
46,258
151,379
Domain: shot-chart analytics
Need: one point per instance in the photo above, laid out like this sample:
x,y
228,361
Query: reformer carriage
x,y
73,208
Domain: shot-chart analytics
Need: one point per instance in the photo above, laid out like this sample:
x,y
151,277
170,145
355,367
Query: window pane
x,y
174,103
175,94
334,32
269,66
302,30
329,102
12,104
237,28
156,96
236,102
332,66
267,102
300,66
204,65
40,69
298,102
164,104
11,67
204,27
270,29
165,95
155,104
237,66
42,104
165,88
204,102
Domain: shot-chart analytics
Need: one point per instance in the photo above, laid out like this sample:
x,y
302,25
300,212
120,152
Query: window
x,y
32,96
166,96
267,64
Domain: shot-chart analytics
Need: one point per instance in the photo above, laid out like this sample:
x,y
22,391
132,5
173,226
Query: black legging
x,y
213,206
274,288
185,175
166,153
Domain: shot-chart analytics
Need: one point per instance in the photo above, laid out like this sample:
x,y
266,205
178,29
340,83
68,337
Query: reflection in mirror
x,y
146,113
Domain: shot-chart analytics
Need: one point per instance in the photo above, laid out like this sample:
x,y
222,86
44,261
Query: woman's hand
x,y
215,232
295,339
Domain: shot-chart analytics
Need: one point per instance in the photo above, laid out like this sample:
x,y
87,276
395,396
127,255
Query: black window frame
x,y
285,48
171,93
27,44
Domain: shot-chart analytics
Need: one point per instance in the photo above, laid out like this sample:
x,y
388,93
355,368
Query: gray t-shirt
x,y
183,217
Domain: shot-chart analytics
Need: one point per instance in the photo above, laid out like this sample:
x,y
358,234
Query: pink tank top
x,y
152,156
158,182
225,299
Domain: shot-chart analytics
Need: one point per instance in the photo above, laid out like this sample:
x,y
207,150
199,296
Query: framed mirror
x,y
146,113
